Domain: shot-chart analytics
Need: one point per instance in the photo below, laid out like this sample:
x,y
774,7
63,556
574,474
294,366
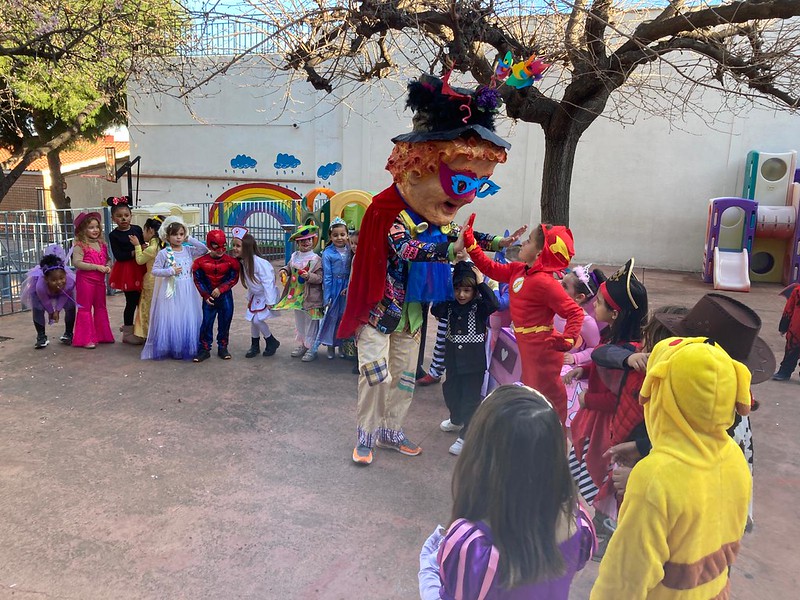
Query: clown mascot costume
x,y
405,247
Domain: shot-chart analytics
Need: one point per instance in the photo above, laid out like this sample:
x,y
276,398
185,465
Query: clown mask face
x,y
438,197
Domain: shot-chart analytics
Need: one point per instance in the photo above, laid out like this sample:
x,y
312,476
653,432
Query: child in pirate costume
x,y
465,346
405,248
215,274
735,327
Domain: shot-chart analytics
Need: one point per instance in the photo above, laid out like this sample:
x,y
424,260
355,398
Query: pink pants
x,y
90,289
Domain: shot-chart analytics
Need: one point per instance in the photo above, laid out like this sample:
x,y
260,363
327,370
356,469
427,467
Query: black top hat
x,y
731,324
442,112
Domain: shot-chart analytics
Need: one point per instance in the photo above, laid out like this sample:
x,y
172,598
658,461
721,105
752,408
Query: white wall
x,y
640,189
89,188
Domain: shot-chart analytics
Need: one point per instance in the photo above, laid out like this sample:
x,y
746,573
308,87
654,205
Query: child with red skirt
x,y
535,297
126,275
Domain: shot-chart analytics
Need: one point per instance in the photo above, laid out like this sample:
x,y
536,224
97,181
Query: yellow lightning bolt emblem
x,y
560,248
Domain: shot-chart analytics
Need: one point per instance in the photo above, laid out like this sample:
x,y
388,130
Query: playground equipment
x,y
756,238
349,205
729,240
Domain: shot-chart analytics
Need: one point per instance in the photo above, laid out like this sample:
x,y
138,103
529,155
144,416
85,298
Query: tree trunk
x,y
57,194
559,157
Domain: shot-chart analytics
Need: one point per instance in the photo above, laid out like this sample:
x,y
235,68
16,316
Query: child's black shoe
x,y
202,355
270,346
66,339
223,353
255,348
41,341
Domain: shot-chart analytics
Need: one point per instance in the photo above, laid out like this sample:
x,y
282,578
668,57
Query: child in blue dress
x,y
336,260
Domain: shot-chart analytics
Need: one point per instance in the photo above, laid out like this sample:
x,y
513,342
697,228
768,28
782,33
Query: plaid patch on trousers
x,y
376,371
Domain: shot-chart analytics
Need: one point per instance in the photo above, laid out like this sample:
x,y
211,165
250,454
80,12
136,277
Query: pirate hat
x,y
442,112
623,290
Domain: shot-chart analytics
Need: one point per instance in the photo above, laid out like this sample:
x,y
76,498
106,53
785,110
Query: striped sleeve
x,y
467,563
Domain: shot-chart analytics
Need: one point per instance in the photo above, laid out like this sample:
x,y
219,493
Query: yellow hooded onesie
x,y
685,505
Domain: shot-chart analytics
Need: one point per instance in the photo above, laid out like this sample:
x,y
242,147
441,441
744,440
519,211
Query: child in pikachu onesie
x,y
685,506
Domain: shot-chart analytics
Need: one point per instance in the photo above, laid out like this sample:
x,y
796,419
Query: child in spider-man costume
x,y
215,274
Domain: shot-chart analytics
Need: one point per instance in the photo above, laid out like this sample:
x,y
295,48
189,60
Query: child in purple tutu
x,y
49,289
517,531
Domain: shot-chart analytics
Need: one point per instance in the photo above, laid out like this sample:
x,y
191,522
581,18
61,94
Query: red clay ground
x,y
128,479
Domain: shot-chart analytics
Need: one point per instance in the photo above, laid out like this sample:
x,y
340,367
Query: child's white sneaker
x,y
455,449
449,426
298,352
309,356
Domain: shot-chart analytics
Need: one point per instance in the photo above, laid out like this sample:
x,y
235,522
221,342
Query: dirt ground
x,y
128,479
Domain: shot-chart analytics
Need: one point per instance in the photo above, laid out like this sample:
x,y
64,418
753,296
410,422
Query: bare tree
x,y
606,58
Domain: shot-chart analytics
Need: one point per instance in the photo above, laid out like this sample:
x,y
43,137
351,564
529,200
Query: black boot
x,y
255,348
270,346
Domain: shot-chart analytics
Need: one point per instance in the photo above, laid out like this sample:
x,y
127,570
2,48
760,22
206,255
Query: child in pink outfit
x,y
581,284
90,258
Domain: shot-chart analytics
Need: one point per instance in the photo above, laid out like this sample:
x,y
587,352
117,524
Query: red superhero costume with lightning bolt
x,y
535,297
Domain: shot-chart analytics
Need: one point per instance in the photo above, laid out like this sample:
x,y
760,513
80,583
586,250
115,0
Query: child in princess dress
x,y
176,312
258,278
146,256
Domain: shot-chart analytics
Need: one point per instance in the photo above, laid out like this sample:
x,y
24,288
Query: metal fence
x,y
25,234
230,36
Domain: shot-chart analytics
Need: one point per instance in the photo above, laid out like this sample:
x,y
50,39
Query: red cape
x,y
368,280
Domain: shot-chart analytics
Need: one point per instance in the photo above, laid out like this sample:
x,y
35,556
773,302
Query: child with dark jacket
x,y
465,346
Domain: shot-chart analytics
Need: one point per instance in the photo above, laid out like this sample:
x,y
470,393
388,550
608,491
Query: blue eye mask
x,y
465,185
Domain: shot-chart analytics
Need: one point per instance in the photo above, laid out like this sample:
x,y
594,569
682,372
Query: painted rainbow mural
x,y
241,201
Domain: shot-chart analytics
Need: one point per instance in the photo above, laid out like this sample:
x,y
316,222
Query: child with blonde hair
x,y
90,258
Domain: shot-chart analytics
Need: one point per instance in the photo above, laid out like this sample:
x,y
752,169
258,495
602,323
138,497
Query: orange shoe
x,y
406,447
362,455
